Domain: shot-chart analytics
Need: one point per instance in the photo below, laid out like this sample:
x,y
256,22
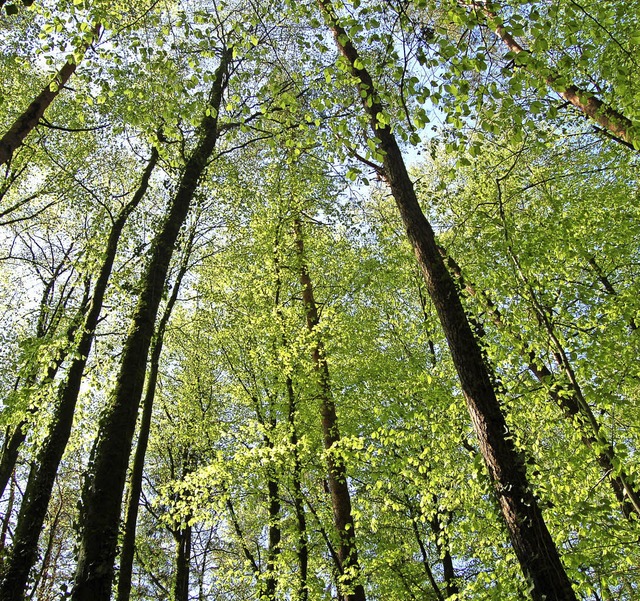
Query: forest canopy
x,y
322,300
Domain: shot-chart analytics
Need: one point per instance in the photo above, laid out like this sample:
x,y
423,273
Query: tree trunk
x,y
105,479
183,558
40,484
613,122
302,545
274,535
338,487
135,483
28,120
16,436
570,400
302,549
528,532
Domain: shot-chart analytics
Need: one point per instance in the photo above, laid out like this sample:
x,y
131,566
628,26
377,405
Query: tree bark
x,y
28,120
532,543
183,559
615,123
570,400
104,482
302,550
135,482
40,484
16,436
338,488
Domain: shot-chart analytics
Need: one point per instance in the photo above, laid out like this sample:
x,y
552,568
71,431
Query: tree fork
x,y
532,543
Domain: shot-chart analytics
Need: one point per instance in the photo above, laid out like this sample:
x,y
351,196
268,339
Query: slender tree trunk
x,y
135,483
571,402
302,549
183,559
613,122
302,545
6,520
274,535
338,487
528,532
445,556
425,562
105,479
40,484
28,120
18,434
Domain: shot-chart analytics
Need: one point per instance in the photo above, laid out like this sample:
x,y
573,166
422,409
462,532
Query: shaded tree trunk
x,y
40,484
104,482
302,548
274,535
27,121
183,559
302,545
570,400
338,487
528,532
17,435
135,482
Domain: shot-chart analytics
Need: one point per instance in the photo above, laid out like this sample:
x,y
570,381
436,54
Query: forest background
x,y
323,300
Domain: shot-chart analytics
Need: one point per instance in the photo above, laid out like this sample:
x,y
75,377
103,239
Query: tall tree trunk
x,y
183,559
274,534
528,532
17,435
442,545
614,123
302,547
338,488
105,479
135,482
28,120
40,484
570,400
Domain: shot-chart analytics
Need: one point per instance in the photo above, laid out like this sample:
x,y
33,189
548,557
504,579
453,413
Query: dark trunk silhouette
x,y
42,477
135,481
105,478
532,543
28,120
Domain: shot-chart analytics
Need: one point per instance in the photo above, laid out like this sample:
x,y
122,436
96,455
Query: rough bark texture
x,y
105,479
135,482
42,477
532,543
338,488
28,120
570,400
612,121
